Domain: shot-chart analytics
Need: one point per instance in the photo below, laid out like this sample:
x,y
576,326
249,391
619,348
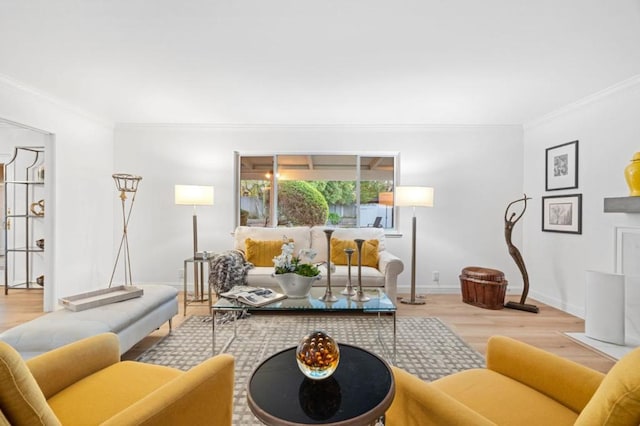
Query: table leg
x,y
391,354
235,327
184,279
235,332
213,332
210,300
394,337
201,271
196,290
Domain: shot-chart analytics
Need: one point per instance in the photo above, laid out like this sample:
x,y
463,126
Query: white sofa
x,y
384,276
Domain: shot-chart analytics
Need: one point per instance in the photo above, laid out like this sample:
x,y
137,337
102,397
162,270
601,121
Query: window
x,y
344,190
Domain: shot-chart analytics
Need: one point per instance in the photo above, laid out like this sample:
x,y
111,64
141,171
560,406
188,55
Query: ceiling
x,y
317,167
329,62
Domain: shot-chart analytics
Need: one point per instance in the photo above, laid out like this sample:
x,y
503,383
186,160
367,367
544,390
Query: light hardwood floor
x,y
475,325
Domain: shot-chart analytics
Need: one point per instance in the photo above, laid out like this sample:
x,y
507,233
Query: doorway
x,y
24,262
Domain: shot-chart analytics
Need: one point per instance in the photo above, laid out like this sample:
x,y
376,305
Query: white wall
x,y
476,172
608,131
80,160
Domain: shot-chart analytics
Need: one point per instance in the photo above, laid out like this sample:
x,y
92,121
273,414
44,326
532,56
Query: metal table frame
x,y
198,292
317,307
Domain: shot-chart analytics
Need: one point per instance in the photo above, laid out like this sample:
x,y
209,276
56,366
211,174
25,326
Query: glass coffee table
x,y
378,305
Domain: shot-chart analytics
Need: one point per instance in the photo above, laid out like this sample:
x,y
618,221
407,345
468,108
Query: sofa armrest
x,y
391,266
202,395
61,367
566,381
418,403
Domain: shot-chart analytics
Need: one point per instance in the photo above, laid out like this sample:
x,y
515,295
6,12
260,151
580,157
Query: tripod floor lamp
x,y
414,196
195,195
126,184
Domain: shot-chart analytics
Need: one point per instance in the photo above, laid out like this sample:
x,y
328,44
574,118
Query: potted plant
x,y
295,274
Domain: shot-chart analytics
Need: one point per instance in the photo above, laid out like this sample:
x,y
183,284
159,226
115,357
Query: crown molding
x,y
55,101
388,126
618,87
9,124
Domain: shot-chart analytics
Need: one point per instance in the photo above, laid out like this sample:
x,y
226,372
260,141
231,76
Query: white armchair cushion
x,y
371,277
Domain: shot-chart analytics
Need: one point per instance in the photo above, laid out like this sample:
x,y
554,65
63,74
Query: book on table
x,y
254,296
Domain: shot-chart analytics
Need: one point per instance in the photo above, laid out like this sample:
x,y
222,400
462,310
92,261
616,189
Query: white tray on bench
x,y
92,299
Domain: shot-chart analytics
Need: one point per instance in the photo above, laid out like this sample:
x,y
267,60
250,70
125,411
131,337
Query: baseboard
x,y
446,289
610,350
559,304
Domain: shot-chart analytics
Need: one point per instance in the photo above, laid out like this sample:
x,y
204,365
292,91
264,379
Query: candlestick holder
x,y
360,296
348,290
328,295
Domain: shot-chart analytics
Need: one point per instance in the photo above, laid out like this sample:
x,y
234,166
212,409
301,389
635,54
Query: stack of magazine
x,y
253,296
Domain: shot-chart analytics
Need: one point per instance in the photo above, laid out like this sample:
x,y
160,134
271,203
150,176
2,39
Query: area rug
x,y
425,347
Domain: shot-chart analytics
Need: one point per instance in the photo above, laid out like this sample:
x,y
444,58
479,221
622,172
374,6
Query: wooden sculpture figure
x,y
509,223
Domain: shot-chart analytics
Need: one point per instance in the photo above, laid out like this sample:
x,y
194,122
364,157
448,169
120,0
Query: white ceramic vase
x,y
295,286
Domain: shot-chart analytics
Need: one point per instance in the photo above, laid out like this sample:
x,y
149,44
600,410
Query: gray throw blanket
x,y
228,269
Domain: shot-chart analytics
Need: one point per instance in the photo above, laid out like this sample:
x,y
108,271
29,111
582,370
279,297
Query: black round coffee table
x,y
358,393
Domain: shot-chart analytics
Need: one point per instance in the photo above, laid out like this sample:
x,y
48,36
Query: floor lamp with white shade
x,y
194,195
414,196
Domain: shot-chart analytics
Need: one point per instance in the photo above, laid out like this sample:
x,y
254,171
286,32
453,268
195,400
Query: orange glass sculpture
x,y
318,355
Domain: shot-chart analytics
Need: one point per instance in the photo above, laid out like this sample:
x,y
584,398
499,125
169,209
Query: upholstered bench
x,y
131,320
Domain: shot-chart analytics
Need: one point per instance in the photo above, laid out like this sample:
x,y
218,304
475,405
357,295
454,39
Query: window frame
x,y
238,155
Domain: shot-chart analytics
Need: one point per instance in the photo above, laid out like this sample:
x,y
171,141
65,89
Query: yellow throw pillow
x,y
21,399
617,400
369,252
261,253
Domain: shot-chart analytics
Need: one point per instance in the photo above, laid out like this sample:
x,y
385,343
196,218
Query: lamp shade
x,y
194,195
414,196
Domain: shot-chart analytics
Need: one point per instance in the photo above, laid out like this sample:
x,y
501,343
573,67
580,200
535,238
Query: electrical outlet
x,y
180,274
436,276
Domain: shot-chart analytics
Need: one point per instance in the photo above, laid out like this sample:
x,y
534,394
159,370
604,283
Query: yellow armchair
x,y
522,385
85,383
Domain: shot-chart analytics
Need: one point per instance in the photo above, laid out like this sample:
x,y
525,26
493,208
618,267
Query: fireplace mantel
x,y
622,205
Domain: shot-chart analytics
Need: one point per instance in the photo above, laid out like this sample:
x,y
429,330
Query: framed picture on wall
x,y
562,213
561,166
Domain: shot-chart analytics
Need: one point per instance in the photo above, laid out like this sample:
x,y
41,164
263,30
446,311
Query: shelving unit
x,y
622,205
24,218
